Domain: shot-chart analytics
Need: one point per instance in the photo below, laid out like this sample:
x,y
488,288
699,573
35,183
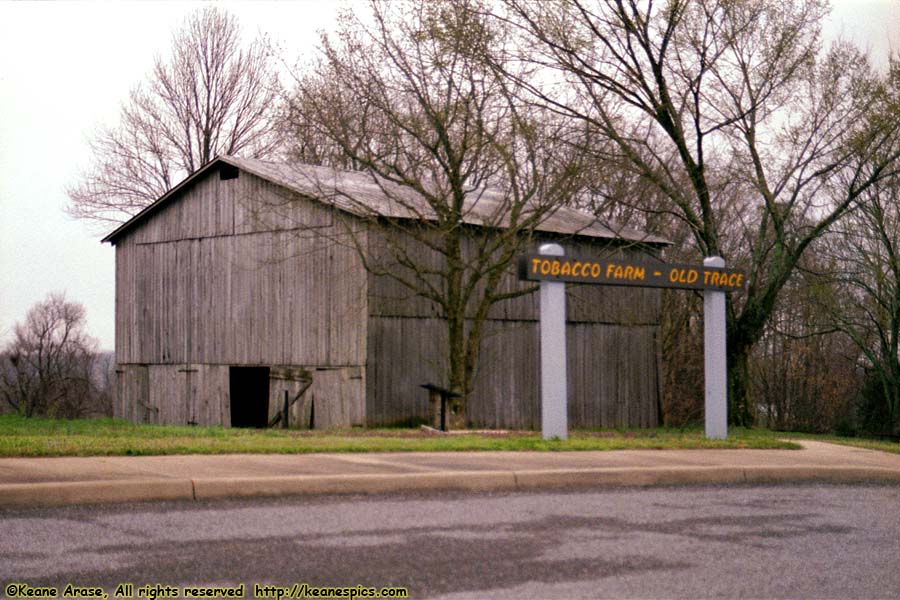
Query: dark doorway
x,y
249,389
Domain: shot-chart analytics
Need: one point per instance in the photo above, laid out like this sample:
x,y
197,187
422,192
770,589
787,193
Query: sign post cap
x,y
552,249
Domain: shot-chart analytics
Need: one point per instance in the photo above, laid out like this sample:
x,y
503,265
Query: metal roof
x,y
365,195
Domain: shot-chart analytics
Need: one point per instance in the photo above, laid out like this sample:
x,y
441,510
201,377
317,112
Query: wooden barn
x,y
234,290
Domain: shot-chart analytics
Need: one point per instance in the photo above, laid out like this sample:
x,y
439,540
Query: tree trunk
x,y
738,361
456,325
892,397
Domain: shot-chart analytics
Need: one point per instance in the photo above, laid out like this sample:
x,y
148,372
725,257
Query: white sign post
x,y
554,399
714,358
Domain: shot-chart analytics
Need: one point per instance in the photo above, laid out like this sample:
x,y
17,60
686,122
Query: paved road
x,y
824,541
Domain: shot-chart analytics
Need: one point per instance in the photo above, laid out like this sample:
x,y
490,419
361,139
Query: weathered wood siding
x,y
612,351
335,398
173,394
235,272
266,297
611,369
132,393
236,300
612,373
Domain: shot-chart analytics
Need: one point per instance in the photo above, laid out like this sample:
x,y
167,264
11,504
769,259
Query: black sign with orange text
x,y
543,267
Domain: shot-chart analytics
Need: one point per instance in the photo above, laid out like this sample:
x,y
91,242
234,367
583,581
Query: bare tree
x,y
407,96
864,301
212,96
805,373
758,139
47,369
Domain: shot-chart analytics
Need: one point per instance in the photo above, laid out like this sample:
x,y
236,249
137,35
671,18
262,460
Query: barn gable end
x,y
221,277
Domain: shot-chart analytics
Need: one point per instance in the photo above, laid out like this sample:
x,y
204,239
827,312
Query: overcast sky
x,y
65,69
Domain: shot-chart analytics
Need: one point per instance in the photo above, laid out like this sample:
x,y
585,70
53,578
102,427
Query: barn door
x,y
249,392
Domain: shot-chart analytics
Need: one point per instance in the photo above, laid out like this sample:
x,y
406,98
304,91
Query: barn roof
x,y
361,194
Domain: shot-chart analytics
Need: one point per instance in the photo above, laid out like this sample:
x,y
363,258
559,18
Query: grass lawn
x,y
111,437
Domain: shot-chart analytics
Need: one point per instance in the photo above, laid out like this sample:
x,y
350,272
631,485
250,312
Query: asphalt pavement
x,y
790,541
28,482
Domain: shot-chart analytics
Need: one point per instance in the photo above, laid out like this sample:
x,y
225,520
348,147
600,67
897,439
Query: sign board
x,y
569,269
553,269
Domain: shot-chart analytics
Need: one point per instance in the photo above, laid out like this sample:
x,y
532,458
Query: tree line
x,y
52,367
726,126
